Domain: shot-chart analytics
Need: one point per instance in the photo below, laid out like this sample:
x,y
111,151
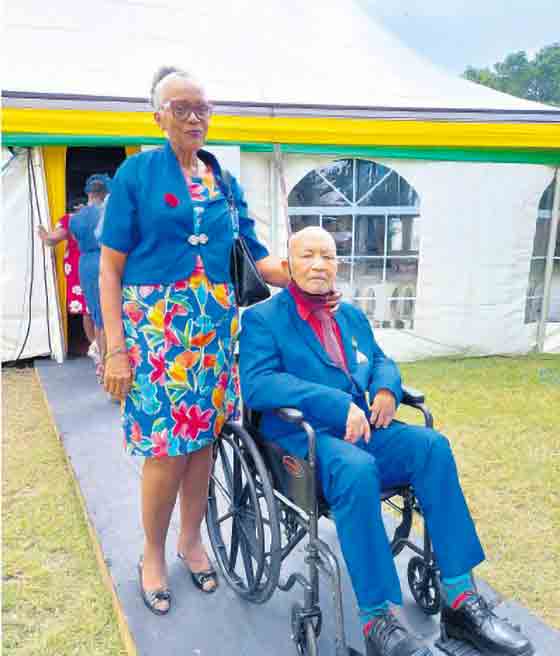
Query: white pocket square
x,y
361,357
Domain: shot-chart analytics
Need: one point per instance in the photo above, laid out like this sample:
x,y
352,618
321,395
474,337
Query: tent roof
x,y
249,51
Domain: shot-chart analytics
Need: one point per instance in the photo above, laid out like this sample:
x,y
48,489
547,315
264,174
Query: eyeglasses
x,y
181,109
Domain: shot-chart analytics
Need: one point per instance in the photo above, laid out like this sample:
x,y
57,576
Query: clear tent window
x,y
535,286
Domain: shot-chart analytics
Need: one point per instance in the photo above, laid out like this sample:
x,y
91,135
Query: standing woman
x,y
171,321
83,227
75,300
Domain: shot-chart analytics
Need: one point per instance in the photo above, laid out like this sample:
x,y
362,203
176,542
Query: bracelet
x,y
110,354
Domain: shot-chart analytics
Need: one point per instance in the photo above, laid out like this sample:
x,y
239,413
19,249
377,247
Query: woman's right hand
x,y
44,235
117,378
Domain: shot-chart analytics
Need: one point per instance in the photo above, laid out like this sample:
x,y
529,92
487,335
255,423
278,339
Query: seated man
x,y
295,353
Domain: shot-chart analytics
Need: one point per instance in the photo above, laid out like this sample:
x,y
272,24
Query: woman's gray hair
x,y
161,74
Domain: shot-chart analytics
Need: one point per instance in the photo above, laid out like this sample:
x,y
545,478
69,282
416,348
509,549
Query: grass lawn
x,y
502,416
54,601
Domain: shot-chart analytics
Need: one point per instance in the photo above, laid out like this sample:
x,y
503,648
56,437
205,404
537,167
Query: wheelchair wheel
x,y
305,632
424,586
242,517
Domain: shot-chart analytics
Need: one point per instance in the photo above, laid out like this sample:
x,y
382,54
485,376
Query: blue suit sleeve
x,y
265,386
384,373
247,224
119,225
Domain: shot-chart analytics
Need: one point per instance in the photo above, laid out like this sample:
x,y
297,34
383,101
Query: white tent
x,y
300,53
311,95
30,312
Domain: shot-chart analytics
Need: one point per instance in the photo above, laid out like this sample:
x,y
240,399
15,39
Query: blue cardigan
x,y
282,363
149,217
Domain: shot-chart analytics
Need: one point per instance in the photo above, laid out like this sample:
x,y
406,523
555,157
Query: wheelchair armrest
x,y
412,396
291,415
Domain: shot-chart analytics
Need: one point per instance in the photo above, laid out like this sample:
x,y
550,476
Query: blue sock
x,y
457,589
367,615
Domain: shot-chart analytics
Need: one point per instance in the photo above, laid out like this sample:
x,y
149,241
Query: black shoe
x,y
386,636
475,623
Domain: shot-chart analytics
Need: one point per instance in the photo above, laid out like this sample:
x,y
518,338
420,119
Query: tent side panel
x,y
29,305
257,184
477,226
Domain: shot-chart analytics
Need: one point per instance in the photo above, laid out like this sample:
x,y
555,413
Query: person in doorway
x,y
294,353
75,299
171,322
82,227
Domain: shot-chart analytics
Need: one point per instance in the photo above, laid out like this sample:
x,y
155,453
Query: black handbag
x,y
250,287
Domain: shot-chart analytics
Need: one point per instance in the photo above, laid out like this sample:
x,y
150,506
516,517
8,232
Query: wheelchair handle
x,y
291,415
412,396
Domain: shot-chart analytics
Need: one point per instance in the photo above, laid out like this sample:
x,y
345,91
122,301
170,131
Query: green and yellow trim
x,y
139,127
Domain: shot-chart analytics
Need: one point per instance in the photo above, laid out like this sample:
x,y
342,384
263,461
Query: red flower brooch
x,y
171,200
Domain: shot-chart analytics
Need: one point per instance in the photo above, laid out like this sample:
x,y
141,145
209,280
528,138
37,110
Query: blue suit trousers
x,y
352,476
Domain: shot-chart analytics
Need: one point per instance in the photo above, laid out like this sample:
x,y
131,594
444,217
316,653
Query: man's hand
x,y
118,376
357,425
383,409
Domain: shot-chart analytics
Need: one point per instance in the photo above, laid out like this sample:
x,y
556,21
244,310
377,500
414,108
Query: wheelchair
x,y
263,502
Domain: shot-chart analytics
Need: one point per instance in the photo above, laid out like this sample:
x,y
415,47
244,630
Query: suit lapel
x,y
346,334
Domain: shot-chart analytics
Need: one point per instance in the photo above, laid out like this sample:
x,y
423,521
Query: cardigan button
x,y
195,240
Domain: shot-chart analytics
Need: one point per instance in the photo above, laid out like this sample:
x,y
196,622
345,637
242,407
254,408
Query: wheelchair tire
x,y
242,516
424,586
304,632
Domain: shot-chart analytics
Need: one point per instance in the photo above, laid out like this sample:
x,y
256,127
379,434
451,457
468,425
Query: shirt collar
x,y
302,305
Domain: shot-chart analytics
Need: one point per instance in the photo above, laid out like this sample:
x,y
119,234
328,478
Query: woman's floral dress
x,y
75,300
180,339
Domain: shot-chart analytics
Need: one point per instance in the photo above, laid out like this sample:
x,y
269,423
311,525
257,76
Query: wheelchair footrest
x,y
453,647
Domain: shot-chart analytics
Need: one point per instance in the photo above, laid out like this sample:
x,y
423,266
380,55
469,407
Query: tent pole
x,y
280,185
274,206
554,221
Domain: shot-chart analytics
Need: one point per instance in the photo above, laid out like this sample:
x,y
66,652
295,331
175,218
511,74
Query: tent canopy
x,y
291,53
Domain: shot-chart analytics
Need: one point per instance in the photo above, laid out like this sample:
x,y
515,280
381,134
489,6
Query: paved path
x,y
198,625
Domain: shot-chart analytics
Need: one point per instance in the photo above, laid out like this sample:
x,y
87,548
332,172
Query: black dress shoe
x,y
386,636
474,622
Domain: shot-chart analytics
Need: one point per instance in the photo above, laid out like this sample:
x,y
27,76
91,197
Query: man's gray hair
x,y
161,74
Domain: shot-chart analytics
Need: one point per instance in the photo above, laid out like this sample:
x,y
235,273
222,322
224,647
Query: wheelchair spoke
x,y
243,495
234,547
222,489
249,539
246,555
226,466
223,518
237,479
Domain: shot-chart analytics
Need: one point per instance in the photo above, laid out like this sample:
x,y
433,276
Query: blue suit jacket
x,y
282,363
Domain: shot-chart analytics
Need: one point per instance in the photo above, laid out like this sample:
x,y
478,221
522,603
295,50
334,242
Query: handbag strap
x,y
233,212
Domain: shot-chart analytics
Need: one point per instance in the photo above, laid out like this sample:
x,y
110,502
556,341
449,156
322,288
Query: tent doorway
x,y
81,162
